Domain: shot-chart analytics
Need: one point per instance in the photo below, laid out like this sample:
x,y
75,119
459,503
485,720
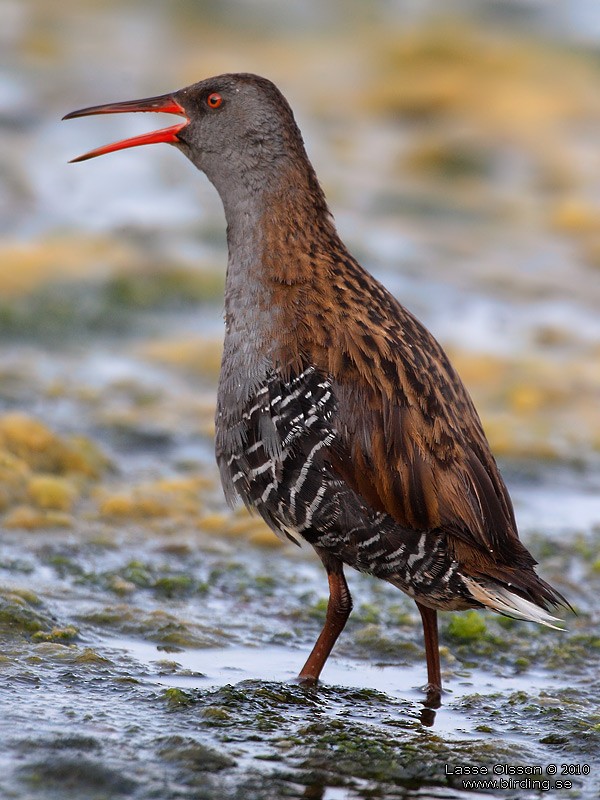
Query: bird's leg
x,y
432,654
338,611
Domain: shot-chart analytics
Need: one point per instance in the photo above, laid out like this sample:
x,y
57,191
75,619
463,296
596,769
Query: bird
x,y
340,419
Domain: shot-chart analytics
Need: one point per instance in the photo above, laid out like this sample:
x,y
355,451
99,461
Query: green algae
x,y
161,580
337,751
467,627
60,309
372,641
217,714
177,697
156,626
562,719
450,159
163,289
177,586
67,634
269,738
20,613
24,593
16,565
73,776
61,742
193,755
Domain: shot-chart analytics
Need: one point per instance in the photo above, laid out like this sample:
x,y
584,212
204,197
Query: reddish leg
x,y
432,654
338,611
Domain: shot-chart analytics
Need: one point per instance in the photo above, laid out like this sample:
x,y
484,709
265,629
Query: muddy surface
x,y
149,636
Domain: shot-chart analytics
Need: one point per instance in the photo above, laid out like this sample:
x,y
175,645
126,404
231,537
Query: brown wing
x,y
412,442
426,474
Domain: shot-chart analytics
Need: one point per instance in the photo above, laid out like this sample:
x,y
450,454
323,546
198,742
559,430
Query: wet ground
x,y
149,637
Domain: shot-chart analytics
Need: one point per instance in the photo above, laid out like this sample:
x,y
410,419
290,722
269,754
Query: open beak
x,y
165,104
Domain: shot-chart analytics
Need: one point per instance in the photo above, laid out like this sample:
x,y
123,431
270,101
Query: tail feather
x,y
500,598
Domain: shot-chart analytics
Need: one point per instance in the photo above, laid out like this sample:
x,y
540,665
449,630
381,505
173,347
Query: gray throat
x,y
268,220
250,319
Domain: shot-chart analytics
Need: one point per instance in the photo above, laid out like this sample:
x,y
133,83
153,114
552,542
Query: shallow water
x,y
149,637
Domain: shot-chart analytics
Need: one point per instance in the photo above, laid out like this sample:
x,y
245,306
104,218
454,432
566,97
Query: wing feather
x,y
412,442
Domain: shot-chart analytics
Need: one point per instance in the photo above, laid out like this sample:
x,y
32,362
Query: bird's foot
x,y
306,680
433,695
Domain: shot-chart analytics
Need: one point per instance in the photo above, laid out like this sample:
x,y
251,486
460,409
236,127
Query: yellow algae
x,y
213,523
479,368
169,497
14,474
216,713
44,451
580,220
240,527
31,440
23,517
29,518
152,285
54,649
506,86
56,390
509,439
132,506
525,399
240,524
58,519
117,505
190,485
121,586
11,596
52,492
197,355
263,536
176,548
574,216
207,428
37,263
554,336
82,455
533,406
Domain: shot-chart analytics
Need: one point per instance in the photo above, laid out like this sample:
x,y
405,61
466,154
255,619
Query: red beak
x,y
166,104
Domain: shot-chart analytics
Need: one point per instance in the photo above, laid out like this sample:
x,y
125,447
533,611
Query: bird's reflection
x,y
433,700
427,717
315,791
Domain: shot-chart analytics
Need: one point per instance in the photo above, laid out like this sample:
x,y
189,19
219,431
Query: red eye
x,y
214,100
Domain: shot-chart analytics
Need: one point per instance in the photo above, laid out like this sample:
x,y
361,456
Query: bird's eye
x,y
214,100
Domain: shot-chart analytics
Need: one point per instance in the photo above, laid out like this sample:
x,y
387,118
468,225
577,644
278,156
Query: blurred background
x,y
458,151
457,144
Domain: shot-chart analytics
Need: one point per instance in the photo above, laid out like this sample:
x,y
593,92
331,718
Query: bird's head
x,y
236,127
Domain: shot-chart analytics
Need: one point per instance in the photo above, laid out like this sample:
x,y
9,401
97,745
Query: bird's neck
x,y
274,224
280,234
281,241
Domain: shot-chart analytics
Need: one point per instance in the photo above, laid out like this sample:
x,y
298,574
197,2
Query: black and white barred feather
x,y
276,456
